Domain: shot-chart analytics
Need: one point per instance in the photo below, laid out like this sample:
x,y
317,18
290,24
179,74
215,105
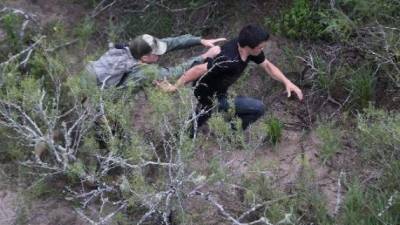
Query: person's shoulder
x,y
229,51
230,45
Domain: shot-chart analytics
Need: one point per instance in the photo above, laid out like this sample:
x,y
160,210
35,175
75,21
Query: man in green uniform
x,y
142,54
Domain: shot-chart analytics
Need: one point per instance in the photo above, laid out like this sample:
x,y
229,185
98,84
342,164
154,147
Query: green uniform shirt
x,y
142,73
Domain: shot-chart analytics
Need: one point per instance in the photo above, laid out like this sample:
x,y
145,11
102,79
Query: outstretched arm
x,y
187,41
192,74
277,74
177,71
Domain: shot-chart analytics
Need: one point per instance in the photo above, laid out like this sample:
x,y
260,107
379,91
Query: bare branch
x,y
14,57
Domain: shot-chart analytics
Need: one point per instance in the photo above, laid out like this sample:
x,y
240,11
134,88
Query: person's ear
x,y
144,58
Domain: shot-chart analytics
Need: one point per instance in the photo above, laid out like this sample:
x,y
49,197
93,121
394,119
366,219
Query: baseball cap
x,y
146,44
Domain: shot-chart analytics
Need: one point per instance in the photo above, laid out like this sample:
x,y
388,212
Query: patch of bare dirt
x,y
53,211
49,11
15,209
39,212
8,207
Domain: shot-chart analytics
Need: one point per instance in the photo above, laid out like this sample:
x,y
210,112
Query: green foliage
x,y
390,179
217,172
378,135
366,11
77,170
367,207
136,150
362,87
307,21
84,31
330,136
310,201
193,3
273,129
38,65
337,25
227,130
300,21
115,31
256,136
40,189
259,187
120,219
11,23
10,150
56,31
327,79
162,103
155,21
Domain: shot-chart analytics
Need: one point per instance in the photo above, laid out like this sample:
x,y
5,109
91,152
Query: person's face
x,y
150,58
258,49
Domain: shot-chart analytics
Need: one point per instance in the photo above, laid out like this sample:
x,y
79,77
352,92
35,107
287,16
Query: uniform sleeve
x,y
147,73
177,71
181,42
258,59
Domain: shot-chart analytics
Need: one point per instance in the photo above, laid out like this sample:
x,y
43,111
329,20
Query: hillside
x,y
74,153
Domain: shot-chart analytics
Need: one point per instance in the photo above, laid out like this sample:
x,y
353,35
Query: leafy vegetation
x,y
331,141
125,156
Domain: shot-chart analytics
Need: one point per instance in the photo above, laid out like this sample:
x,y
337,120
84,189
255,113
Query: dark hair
x,y
139,47
252,35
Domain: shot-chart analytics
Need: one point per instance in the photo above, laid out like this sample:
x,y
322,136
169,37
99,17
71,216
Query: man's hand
x,y
211,42
292,87
211,52
165,86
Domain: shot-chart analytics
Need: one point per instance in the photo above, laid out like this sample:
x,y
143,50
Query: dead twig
x,y
16,56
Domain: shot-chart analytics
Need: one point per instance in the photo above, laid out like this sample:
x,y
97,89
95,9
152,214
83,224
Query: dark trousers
x,y
246,108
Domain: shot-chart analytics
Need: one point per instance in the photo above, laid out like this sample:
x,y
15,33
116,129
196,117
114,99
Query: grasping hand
x,y
291,87
165,86
211,42
211,52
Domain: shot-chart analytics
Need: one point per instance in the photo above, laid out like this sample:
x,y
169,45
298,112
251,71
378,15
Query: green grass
x,y
331,140
362,87
273,130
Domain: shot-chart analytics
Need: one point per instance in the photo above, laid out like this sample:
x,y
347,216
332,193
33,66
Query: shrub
x,y
368,207
227,130
362,86
305,20
367,11
331,141
378,135
273,129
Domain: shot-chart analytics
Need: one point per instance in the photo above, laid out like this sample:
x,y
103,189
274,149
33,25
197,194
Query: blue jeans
x,y
246,108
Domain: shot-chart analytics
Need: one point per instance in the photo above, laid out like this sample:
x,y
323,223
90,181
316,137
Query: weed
x,y
11,23
331,140
273,130
310,201
361,86
378,135
366,11
217,171
305,20
84,31
368,207
300,21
